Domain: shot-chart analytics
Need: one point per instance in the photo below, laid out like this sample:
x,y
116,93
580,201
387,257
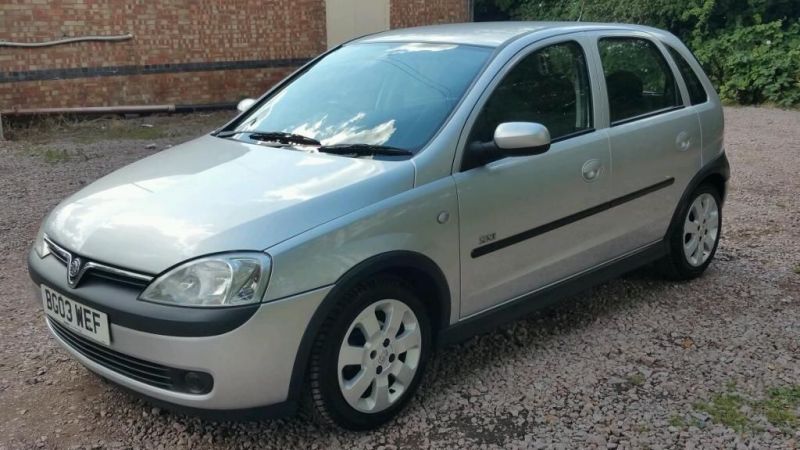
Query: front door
x,y
524,220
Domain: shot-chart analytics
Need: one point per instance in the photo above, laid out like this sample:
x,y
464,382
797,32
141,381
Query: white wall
x,y
346,19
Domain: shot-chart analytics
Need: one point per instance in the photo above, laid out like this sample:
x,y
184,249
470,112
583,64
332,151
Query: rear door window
x,y
697,94
639,81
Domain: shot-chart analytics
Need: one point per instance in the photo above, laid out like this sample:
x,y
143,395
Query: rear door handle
x,y
591,170
683,141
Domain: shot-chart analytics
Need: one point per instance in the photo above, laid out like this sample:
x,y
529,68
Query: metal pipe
x,y
122,37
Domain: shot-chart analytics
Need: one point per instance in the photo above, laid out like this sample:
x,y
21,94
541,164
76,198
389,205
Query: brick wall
x,y
163,89
409,13
183,51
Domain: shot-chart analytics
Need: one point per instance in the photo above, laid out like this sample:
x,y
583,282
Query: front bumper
x,y
251,365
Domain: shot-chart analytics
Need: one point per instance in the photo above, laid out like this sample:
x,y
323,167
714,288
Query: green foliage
x,y
677,421
755,64
636,379
779,408
54,156
780,405
727,410
749,48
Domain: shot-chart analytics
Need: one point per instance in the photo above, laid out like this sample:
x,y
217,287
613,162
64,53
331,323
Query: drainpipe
x,y
121,37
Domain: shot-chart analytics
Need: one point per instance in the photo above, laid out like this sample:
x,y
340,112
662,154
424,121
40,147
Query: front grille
x,y
115,278
147,372
60,254
99,271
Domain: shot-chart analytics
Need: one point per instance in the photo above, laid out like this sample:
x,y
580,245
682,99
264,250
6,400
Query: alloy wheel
x,y
700,229
379,356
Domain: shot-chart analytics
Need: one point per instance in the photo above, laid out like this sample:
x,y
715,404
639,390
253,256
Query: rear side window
x,y
697,94
550,86
638,79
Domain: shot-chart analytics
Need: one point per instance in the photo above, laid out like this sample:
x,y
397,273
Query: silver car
x,y
405,190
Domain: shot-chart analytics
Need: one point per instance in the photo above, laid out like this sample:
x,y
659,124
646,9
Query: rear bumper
x,y
721,167
251,365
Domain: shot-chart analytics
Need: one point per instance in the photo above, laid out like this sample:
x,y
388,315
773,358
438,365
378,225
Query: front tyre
x,y
369,356
695,236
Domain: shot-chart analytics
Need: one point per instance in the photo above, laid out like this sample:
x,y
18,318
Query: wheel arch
x,y
422,272
718,181
717,173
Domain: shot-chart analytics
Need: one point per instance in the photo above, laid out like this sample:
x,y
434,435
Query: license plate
x,y
80,318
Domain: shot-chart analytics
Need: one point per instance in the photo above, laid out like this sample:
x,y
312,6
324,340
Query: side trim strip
x,y
533,232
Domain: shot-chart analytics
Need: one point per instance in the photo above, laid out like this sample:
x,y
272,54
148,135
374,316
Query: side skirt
x,y
549,295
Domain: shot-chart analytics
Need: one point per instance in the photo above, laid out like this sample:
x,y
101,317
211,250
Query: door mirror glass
x,y
245,104
521,138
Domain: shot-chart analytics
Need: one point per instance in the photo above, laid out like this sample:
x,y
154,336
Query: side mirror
x,y
245,104
513,139
521,138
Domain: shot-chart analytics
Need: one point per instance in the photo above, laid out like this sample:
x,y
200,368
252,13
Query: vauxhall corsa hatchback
x,y
406,189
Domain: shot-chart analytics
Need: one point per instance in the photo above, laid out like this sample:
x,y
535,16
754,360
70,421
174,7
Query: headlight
x,y
214,281
39,245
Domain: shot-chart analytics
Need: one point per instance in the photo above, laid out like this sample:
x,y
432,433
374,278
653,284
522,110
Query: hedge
x,y
749,48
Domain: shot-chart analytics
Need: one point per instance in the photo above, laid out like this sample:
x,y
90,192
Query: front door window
x,y
550,86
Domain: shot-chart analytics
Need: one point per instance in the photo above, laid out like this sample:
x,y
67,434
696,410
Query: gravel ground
x,y
634,363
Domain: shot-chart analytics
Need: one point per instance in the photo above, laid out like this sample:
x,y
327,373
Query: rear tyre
x,y
369,356
694,237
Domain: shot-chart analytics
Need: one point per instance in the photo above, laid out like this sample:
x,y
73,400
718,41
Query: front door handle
x,y
591,170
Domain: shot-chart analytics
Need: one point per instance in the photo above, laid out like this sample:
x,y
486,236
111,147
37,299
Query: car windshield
x,y
389,94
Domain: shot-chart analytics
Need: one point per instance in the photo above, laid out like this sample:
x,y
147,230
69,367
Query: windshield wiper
x,y
279,137
363,150
284,138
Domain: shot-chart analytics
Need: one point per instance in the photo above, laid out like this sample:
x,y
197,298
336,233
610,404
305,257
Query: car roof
x,y
489,34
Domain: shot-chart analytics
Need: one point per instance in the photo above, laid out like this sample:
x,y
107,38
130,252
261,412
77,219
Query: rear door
x,y
655,138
